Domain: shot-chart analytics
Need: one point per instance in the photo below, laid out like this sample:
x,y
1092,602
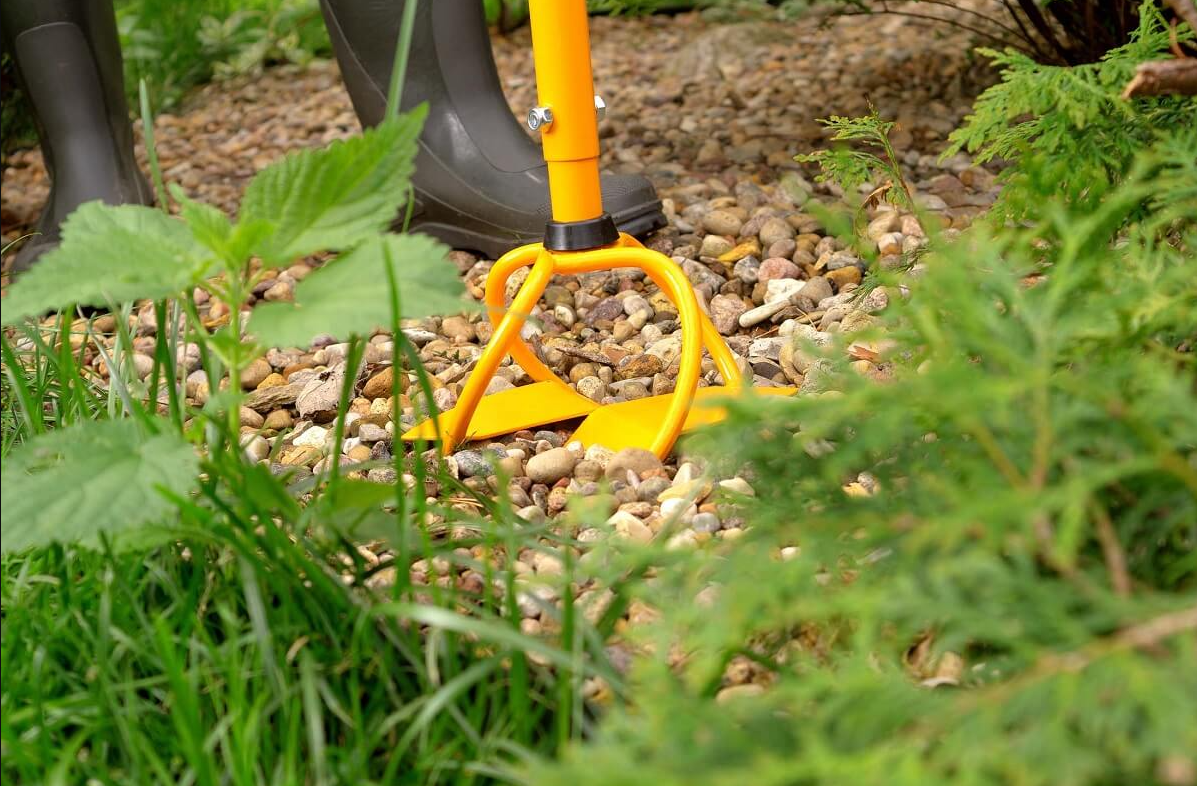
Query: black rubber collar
x,y
580,235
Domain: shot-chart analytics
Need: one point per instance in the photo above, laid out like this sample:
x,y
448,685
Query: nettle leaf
x,y
210,226
334,197
100,476
350,293
109,254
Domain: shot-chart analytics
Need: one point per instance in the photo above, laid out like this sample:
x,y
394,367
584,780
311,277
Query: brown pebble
x,y
844,276
271,381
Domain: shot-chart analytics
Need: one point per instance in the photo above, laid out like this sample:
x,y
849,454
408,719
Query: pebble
x,y
637,461
255,373
722,222
551,466
726,311
312,436
816,290
775,230
629,527
592,388
844,276
369,432
278,420
890,243
777,267
704,522
642,365
759,314
256,448
747,269
380,384
715,246
674,507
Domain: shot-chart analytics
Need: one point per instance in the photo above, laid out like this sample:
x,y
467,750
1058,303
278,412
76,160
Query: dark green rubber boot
x,y
480,181
68,59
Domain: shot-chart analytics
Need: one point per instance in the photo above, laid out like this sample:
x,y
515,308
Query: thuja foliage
x,y
863,154
1073,121
1009,593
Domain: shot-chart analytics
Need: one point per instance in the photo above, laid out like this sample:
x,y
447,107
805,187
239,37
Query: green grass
x,y
242,652
247,638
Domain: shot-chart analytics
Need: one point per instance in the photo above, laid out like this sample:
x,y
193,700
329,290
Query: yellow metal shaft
x,y
565,85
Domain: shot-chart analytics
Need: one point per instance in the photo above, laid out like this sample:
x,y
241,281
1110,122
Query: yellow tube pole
x,y
565,86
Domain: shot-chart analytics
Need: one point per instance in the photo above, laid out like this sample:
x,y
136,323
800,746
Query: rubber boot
x,y
480,180
68,59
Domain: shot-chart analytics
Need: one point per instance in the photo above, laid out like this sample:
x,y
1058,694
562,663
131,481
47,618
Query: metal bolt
x,y
540,117
600,107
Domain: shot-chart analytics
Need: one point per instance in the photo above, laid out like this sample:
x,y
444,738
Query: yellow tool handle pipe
x,y
565,86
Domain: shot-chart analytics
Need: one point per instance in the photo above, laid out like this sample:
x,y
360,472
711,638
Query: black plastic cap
x,y
580,235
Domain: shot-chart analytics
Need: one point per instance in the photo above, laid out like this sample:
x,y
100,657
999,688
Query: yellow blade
x,y
635,423
511,410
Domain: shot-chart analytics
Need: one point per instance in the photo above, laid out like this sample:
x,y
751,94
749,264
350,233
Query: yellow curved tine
x,y
675,284
496,306
506,334
721,354
496,285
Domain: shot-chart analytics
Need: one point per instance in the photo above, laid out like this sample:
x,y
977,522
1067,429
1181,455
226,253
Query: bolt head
x,y
540,117
600,107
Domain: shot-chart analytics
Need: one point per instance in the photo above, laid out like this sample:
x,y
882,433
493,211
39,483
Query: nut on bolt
x,y
600,107
540,117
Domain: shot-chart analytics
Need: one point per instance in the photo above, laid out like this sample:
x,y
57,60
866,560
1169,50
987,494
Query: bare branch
x,y
1111,549
1186,10
1164,77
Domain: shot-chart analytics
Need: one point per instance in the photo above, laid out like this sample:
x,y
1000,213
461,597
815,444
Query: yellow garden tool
x,y
580,238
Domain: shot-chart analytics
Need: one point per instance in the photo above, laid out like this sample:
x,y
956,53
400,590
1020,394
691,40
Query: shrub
x,y
1073,121
982,570
1007,594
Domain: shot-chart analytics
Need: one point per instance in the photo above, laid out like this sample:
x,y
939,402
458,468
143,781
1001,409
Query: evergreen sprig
x,y
1073,119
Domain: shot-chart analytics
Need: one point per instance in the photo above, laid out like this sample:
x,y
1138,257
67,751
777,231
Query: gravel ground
x,y
713,115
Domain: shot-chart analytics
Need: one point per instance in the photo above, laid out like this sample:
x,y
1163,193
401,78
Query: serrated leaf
x,y
100,476
350,294
209,226
108,254
335,197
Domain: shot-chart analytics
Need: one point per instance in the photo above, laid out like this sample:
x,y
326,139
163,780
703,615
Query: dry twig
x,y
1164,77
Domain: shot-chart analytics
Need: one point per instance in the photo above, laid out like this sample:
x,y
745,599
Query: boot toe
x,y
633,203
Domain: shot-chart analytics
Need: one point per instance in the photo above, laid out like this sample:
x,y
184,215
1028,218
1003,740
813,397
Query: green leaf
x,y
107,475
350,294
108,254
209,226
335,197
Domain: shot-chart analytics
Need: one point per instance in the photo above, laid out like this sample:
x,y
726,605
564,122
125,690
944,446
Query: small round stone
x,y
722,222
551,466
636,460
